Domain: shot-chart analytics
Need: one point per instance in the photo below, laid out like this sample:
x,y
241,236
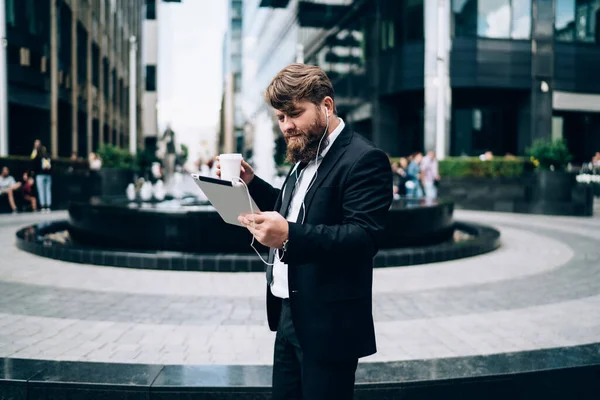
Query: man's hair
x,y
298,82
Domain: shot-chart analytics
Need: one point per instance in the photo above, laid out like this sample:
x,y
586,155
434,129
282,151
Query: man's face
x,y
5,172
302,130
37,144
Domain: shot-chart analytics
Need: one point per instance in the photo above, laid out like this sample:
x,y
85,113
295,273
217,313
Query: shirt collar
x,y
332,136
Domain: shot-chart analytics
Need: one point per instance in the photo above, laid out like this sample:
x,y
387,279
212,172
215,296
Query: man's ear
x,y
328,102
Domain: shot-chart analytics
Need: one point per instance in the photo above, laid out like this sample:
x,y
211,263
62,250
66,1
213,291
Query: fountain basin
x,y
196,227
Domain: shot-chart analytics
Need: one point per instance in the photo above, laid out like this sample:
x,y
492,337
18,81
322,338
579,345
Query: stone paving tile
x,y
488,333
555,303
572,280
523,253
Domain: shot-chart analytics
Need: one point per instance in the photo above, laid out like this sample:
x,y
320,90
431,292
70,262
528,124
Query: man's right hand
x,y
246,173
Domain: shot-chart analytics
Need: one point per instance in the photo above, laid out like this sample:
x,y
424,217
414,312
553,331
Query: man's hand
x,y
269,228
247,173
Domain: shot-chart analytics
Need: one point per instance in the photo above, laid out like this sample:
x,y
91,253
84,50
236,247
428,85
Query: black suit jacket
x,y
330,256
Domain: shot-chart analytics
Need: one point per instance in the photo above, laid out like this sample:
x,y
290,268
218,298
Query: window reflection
x,y
578,20
500,19
586,18
493,18
465,17
521,19
565,20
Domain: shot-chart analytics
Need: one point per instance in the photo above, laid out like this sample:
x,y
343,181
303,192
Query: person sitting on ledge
x,y
8,186
28,190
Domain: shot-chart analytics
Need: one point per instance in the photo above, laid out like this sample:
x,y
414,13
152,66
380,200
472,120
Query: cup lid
x,y
230,156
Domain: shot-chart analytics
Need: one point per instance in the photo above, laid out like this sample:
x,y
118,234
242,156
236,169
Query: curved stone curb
x,y
549,374
31,239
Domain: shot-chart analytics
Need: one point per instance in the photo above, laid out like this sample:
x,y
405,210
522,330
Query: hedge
x,y
508,167
474,167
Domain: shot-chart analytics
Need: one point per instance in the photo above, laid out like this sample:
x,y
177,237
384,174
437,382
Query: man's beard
x,y
304,147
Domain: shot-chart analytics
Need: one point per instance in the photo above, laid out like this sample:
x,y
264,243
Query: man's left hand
x,y
269,228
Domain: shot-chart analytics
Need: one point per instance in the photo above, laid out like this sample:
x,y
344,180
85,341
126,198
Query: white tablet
x,y
231,200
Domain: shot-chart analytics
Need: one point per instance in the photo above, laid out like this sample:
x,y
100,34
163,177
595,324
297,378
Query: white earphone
x,y
316,164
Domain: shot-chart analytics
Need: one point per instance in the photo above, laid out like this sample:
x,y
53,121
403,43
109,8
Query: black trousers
x,y
296,377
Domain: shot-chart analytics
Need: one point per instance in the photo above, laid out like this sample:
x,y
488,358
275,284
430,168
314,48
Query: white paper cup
x,y
231,166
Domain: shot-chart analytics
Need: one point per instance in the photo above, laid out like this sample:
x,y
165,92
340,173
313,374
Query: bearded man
x,y
323,228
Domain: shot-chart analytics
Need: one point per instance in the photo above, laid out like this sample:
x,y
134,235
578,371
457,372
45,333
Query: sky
x,y
189,70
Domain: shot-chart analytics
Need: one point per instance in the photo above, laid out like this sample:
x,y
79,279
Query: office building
x,y
68,73
150,59
231,126
460,77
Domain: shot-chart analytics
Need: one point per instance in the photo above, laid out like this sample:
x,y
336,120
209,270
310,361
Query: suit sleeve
x,y
263,193
366,199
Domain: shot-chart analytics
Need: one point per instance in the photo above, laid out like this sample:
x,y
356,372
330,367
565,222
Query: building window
x,y
150,9
44,64
520,27
577,20
413,20
587,20
465,17
236,9
150,78
500,19
236,62
564,22
31,21
25,57
493,18
237,82
10,12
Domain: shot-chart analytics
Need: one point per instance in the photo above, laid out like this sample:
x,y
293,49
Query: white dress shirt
x,y
279,286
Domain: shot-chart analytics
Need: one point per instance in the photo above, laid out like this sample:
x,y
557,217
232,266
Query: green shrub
x,y
508,167
473,167
144,159
116,157
550,154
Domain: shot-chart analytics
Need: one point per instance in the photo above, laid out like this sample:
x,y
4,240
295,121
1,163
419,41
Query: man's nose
x,y
288,125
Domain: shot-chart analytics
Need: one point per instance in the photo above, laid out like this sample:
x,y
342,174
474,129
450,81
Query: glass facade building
x,y
231,130
460,77
68,73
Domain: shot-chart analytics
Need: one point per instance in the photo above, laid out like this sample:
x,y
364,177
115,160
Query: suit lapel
x,y
280,197
338,148
276,208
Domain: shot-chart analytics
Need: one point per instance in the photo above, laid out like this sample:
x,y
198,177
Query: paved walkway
x,y
540,290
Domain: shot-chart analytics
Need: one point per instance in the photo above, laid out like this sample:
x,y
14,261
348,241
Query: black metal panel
x,y
576,67
274,3
320,15
27,77
402,69
490,63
